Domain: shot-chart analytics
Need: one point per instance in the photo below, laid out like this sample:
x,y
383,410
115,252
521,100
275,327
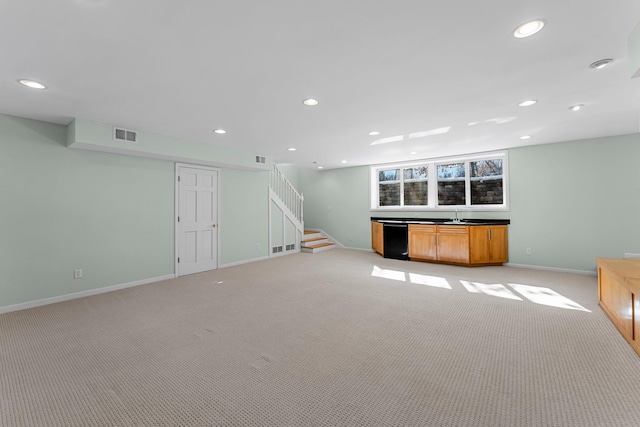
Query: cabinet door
x,y
498,243
422,242
488,244
617,300
479,246
453,243
376,237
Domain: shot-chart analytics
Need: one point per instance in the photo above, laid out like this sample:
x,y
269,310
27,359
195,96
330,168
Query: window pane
x,y
389,175
485,168
486,192
451,193
415,193
389,194
486,182
451,184
454,170
416,173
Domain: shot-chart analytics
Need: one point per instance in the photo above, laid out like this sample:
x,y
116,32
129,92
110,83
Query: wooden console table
x,y
619,294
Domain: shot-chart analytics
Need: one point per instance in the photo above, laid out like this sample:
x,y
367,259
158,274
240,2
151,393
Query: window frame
x,y
432,192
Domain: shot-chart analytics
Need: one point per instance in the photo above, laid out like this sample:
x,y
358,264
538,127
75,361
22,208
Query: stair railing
x,y
288,195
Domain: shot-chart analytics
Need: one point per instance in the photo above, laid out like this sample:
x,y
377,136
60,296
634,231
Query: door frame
x,y
177,211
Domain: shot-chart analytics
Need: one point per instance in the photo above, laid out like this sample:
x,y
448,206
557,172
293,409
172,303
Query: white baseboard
x,y
82,294
247,261
359,249
554,269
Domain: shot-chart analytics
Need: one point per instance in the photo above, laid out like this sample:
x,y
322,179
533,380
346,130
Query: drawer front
x,y
426,228
453,229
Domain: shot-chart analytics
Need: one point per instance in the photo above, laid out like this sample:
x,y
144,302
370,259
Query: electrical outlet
x,y
528,251
77,273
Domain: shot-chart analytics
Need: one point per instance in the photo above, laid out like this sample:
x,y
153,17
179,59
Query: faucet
x,y
456,217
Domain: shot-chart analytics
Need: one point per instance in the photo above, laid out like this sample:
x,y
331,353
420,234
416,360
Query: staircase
x,y
314,241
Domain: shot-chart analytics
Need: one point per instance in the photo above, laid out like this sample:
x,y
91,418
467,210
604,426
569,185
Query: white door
x,y
197,222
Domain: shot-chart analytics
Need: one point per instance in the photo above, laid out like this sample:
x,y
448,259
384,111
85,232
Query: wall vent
x,y
291,247
277,249
260,159
120,134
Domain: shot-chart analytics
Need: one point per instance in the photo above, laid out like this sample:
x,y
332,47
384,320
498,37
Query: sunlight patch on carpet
x,y
494,289
546,296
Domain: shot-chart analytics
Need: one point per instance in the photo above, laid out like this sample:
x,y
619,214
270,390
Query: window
x,y
486,182
451,184
471,182
416,189
389,187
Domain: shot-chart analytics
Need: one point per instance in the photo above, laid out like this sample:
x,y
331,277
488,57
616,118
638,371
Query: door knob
x,y
214,225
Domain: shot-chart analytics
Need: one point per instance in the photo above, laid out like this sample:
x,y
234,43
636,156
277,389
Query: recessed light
x,y
220,131
31,83
320,167
527,103
374,133
576,107
310,102
291,149
344,161
601,63
472,123
529,28
413,152
525,137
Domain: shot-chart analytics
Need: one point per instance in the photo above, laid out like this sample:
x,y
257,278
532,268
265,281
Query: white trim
x,y
176,210
358,249
554,269
246,261
82,294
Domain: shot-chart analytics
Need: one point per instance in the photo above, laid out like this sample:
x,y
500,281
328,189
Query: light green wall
x,y
95,136
337,202
569,202
634,51
244,215
110,215
62,209
292,174
575,201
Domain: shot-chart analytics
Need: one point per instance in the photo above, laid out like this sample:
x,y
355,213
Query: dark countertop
x,y
440,221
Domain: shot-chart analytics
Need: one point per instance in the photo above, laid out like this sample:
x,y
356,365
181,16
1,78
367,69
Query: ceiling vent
x,y
125,135
259,159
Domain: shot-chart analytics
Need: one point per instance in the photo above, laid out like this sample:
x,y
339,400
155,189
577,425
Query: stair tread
x,y
314,239
319,245
311,232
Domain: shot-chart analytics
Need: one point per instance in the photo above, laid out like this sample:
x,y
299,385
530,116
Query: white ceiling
x,y
184,68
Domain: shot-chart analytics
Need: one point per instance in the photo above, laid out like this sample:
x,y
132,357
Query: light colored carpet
x,y
316,340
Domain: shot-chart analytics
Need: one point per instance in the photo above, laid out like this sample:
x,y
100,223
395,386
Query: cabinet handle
x,y
490,236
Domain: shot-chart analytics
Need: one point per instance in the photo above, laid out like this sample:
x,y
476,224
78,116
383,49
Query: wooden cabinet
x,y
377,236
619,296
453,243
439,243
488,244
423,242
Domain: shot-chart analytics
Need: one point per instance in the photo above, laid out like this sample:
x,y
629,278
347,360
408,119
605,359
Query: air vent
x,y
291,247
259,159
125,135
277,249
